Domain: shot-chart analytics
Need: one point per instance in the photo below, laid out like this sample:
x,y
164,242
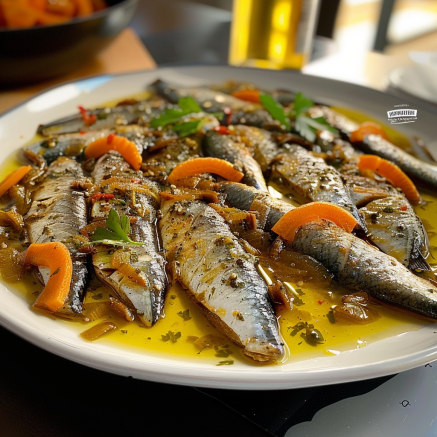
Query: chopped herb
x,y
300,292
192,338
189,105
117,232
308,126
222,352
123,331
171,336
189,127
298,301
275,109
185,314
172,296
312,336
331,317
301,104
225,363
186,105
298,327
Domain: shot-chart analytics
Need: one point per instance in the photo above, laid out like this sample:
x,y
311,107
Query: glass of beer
x,y
272,33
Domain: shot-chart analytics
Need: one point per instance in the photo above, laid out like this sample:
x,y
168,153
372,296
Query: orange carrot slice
x,y
205,165
57,258
13,178
392,173
247,95
127,149
84,7
288,225
365,129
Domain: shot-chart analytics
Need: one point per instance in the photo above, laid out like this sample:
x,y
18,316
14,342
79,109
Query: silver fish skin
x,y
248,198
413,167
224,147
70,145
260,142
57,213
107,118
73,145
343,124
364,190
147,300
311,179
358,266
220,277
395,228
215,101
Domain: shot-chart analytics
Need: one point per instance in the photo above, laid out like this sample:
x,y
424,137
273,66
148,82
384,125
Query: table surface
x,y
42,395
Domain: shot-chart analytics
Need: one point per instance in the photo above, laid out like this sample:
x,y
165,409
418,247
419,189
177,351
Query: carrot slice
x,y
13,178
57,258
84,7
247,95
365,129
288,225
392,173
127,149
205,165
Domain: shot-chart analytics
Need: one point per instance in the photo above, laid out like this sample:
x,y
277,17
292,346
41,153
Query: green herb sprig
x,y
186,106
304,125
308,126
116,232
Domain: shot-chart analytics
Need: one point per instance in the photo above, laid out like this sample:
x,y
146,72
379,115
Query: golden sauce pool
x,y
178,333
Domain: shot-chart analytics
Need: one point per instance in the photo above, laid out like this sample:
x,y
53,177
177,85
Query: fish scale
x,y
57,213
234,297
148,298
358,266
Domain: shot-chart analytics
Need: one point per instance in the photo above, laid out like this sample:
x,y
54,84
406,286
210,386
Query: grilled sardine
x,y
220,277
135,272
57,213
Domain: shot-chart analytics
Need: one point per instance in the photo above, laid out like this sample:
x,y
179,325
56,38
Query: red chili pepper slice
x,y
87,119
100,196
404,208
110,138
136,181
222,130
228,112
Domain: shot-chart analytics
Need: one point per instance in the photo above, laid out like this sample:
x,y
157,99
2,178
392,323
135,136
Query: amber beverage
x,y
272,33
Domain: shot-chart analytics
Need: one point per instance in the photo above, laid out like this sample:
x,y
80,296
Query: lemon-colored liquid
x,y
339,337
266,34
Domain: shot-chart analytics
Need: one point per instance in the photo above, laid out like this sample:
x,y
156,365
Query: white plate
x,y
381,358
417,79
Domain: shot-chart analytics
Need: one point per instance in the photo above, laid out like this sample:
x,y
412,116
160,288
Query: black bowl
x,y
40,53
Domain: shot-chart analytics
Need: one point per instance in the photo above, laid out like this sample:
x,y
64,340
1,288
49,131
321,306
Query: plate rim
x,y
225,378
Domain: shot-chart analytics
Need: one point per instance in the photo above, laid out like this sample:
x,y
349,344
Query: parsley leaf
x,y
223,352
171,336
186,105
302,104
275,109
185,314
189,127
117,232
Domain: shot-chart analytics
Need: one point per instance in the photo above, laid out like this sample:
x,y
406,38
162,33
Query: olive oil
x,y
187,324
272,33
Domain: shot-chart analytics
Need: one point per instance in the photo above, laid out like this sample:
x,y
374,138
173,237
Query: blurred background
x,y
197,31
